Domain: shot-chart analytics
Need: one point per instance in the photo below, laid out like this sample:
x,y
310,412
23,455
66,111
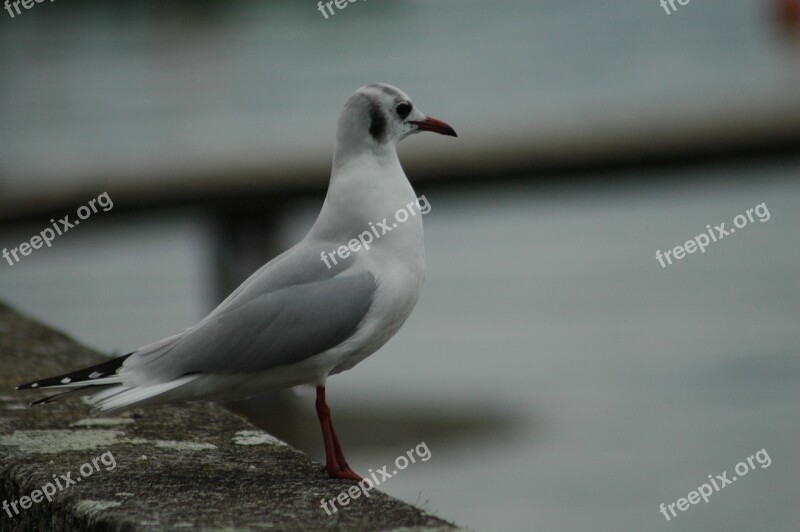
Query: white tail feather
x,y
122,397
114,379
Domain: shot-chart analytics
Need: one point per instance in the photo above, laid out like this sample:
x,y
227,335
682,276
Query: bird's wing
x,y
291,309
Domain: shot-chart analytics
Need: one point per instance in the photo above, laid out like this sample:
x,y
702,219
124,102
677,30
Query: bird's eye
x,y
404,109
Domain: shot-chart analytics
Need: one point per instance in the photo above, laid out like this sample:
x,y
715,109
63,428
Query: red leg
x,y
335,462
337,448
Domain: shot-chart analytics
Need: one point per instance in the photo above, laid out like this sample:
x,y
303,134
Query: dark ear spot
x,y
377,123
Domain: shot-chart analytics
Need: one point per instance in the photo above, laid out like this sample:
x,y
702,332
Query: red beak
x,y
437,126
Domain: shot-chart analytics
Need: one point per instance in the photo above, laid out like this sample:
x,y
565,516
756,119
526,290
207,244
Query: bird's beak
x,y
437,126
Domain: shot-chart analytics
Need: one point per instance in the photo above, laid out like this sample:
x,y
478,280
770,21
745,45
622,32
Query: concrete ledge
x,y
177,467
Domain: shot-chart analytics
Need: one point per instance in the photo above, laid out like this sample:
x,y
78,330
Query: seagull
x,y
297,320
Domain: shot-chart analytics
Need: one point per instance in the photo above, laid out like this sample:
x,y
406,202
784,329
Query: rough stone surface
x,y
177,467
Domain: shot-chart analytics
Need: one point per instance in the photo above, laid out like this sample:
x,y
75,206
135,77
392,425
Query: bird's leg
x,y
335,462
337,448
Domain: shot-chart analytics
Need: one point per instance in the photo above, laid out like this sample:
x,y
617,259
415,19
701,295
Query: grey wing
x,y
291,309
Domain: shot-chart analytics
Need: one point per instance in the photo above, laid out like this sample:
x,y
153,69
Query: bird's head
x,y
380,116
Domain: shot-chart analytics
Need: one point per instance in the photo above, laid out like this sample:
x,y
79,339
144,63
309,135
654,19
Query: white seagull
x,y
296,321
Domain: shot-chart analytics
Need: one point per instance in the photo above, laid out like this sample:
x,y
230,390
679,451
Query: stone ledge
x,y
177,467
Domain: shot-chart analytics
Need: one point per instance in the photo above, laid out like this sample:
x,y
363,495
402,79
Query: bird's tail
x,y
106,388
101,377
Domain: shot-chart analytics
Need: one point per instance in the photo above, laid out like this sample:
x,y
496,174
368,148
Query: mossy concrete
x,y
193,466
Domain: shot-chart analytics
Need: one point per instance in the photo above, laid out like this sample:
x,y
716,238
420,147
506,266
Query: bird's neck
x,y
364,189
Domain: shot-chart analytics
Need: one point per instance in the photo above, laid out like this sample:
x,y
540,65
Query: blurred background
x,y
561,378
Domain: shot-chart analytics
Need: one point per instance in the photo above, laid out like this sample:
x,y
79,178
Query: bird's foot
x,y
343,472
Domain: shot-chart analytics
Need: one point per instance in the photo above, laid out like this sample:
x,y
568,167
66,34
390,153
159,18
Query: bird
x,y
297,320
